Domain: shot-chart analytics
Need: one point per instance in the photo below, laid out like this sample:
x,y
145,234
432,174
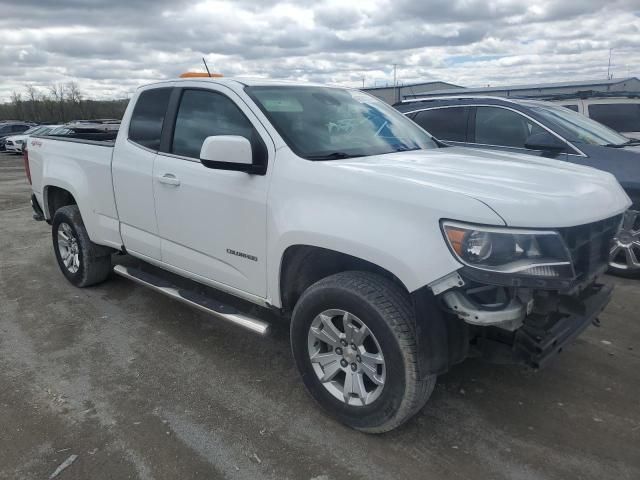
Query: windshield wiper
x,y
332,156
630,143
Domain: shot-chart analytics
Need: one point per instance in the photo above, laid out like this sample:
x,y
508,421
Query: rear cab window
x,y
147,118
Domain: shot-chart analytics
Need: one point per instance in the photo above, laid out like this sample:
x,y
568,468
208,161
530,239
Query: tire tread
x,y
96,258
394,303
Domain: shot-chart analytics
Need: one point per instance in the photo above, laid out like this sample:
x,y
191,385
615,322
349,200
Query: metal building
x,y
541,90
391,94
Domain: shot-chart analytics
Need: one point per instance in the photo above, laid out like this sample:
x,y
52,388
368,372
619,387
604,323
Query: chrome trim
x,y
457,97
492,229
179,157
250,323
579,154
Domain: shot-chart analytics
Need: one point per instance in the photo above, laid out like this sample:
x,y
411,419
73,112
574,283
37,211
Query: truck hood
x,y
526,191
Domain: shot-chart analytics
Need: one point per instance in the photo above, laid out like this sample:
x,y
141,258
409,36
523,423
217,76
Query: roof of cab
x,y
247,81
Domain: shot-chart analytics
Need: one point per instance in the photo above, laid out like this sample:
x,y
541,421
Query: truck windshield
x,y
324,123
583,128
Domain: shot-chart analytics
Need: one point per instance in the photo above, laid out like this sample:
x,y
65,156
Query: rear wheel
x,y
625,253
353,340
81,261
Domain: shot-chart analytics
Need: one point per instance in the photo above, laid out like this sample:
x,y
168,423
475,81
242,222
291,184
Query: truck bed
x,y
81,166
100,138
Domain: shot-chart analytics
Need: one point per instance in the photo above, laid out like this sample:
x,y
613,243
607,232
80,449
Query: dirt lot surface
x,y
139,386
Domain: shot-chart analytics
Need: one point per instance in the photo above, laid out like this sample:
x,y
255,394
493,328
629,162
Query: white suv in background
x,y
621,113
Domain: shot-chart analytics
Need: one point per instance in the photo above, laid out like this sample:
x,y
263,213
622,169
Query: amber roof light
x,y
200,75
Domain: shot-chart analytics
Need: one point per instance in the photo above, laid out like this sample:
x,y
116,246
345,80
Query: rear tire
x,y
360,302
81,261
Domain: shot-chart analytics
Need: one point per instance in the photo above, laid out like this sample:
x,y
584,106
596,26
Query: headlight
x,y
536,253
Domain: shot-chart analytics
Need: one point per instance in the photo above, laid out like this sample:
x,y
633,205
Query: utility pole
x,y
395,85
609,67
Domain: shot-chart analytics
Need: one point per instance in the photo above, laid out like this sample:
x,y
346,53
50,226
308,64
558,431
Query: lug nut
x,y
343,342
344,363
354,367
338,351
353,346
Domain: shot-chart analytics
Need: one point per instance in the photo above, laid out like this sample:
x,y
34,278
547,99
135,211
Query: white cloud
x,y
109,48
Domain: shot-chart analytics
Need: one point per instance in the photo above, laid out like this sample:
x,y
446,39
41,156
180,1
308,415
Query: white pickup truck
x,y
392,256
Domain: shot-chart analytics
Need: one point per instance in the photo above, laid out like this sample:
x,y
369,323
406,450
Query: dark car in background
x,y
545,129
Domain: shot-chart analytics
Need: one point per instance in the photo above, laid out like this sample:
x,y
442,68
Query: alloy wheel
x,y
68,248
346,357
625,253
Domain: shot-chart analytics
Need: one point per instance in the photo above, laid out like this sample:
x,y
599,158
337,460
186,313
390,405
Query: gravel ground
x,y
139,386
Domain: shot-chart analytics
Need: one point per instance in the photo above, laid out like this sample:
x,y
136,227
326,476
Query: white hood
x,y
15,138
526,191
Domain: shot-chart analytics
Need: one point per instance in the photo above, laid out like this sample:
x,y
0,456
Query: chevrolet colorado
x,y
393,257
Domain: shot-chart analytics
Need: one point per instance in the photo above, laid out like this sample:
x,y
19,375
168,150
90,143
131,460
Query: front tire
x,y
81,261
353,341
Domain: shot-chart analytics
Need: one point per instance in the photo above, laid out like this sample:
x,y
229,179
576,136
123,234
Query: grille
x,y
590,244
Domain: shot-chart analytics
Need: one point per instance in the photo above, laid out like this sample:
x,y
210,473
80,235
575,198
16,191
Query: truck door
x,y
132,171
212,222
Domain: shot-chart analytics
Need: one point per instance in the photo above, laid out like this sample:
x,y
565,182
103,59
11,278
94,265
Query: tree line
x,y
59,103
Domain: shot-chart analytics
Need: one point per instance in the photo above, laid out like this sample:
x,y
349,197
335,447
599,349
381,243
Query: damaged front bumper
x,y
543,335
521,325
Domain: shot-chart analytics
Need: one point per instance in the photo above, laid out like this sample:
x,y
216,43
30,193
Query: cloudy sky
x,y
111,46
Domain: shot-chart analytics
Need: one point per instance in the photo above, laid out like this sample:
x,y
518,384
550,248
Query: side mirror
x,y
227,152
544,141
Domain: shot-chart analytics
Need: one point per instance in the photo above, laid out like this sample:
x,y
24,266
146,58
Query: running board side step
x,y
193,299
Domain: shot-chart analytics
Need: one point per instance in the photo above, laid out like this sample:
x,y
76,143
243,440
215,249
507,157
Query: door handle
x,y
169,179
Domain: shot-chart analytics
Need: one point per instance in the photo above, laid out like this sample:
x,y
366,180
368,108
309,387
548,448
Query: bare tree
x,y
58,103
16,101
58,95
33,98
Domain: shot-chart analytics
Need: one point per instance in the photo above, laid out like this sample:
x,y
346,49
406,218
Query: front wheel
x,y
353,340
625,254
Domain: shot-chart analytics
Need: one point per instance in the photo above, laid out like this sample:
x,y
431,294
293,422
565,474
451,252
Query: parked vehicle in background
x,y
541,129
87,130
619,113
10,127
391,257
15,143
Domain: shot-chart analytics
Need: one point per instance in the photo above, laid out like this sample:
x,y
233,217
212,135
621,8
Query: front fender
x,y
395,229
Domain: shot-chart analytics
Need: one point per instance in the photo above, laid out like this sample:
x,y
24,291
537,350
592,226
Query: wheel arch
x,y
442,339
56,197
303,265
